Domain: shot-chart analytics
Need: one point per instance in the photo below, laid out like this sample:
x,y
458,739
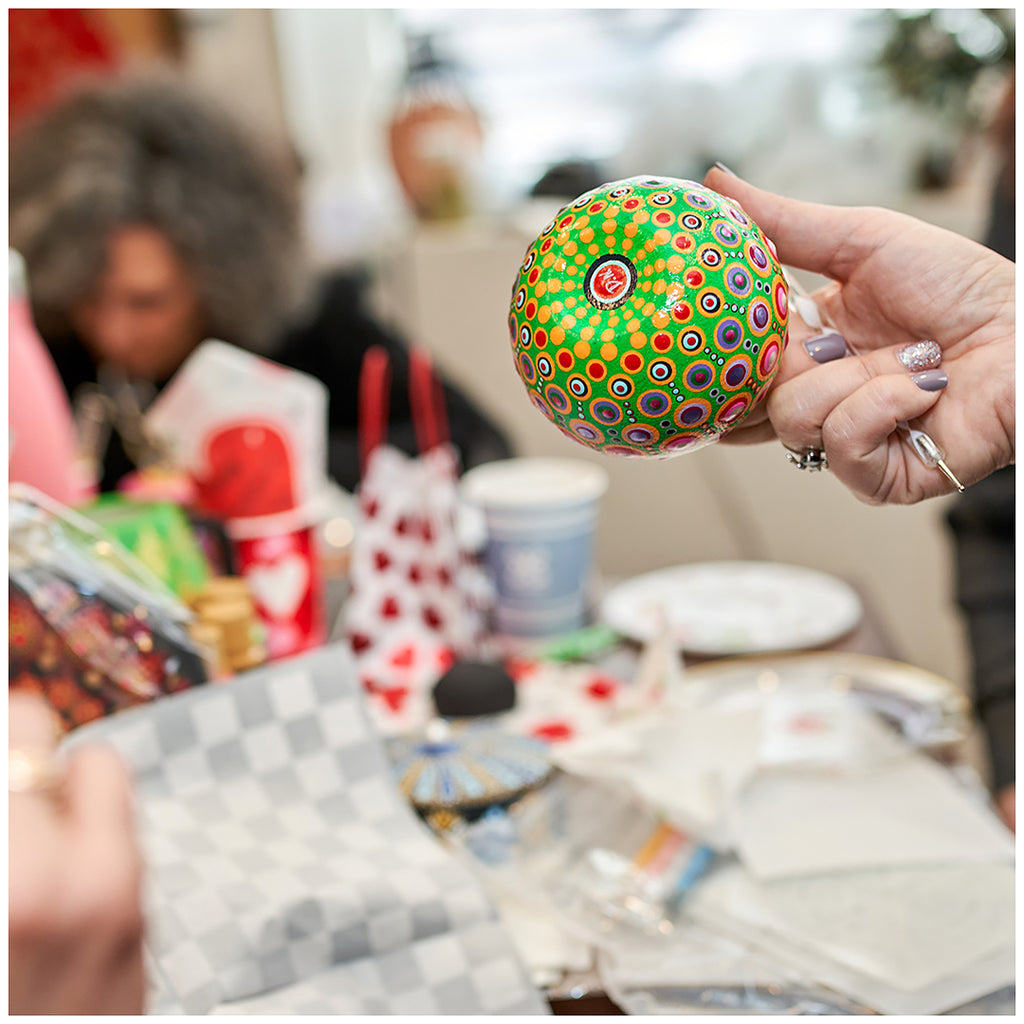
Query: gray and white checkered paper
x,y
285,873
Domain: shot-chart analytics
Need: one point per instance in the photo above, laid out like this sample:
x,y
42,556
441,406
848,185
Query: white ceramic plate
x,y
928,709
727,608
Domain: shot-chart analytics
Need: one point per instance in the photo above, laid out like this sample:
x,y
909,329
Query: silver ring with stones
x,y
813,459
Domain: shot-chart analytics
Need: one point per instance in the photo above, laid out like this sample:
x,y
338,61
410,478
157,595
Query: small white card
x,y
805,726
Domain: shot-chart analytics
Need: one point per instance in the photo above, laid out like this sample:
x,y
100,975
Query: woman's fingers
x,y
31,724
799,407
98,793
32,730
813,236
864,450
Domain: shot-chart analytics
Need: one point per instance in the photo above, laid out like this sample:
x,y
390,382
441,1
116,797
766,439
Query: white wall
x,y
340,71
232,55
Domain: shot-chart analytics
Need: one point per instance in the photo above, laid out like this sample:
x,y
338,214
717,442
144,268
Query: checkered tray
x,y
285,874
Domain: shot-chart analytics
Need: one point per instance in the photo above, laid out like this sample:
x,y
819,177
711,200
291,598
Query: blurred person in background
x,y
984,533
148,222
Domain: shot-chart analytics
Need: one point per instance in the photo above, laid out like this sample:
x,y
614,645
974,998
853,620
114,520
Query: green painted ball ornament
x,y
648,317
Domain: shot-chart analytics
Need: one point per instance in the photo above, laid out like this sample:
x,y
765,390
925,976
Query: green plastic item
x,y
159,535
648,317
580,644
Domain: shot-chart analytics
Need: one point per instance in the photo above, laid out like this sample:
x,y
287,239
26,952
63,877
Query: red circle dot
x,y
540,338
632,362
565,359
682,311
662,342
596,369
694,278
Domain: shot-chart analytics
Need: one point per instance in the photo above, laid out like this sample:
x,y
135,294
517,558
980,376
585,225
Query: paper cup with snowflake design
x,y
541,514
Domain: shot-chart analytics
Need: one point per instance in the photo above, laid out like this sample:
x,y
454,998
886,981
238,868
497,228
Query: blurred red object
x,y
48,48
249,471
283,570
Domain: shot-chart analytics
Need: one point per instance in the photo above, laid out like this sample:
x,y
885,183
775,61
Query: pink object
x,y
283,571
42,433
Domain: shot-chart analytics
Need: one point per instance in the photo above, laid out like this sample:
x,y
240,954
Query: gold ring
x,y
32,773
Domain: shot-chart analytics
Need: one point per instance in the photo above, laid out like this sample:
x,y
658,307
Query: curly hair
x,y
146,151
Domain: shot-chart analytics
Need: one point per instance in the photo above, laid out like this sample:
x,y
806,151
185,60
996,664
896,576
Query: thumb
x,y
811,236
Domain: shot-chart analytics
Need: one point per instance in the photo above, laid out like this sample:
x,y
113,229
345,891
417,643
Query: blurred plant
x,y
939,58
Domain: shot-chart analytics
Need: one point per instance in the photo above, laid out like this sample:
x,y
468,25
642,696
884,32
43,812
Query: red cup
x,y
283,569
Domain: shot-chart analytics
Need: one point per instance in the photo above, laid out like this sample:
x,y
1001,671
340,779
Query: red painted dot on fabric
x,y
394,697
404,657
359,642
553,732
520,668
602,688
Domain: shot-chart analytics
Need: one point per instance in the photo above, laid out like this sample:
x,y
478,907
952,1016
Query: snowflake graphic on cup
x,y
528,568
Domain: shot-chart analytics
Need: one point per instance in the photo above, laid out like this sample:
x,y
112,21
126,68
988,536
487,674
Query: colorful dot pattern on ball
x,y
648,317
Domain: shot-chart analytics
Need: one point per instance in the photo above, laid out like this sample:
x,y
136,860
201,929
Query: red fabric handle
x,y
426,396
374,390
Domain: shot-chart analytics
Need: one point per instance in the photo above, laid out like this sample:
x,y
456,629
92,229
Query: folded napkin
x,y
904,940
285,874
897,808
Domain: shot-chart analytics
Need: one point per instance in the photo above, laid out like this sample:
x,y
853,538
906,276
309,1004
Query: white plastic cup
x,y
541,514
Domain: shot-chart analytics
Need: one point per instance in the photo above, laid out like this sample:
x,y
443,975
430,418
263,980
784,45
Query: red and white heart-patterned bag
x,y
417,598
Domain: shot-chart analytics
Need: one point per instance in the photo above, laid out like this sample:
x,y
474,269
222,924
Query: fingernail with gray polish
x,y
920,355
930,380
826,347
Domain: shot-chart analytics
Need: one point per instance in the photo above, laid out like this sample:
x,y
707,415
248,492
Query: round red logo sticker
x,y
609,281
